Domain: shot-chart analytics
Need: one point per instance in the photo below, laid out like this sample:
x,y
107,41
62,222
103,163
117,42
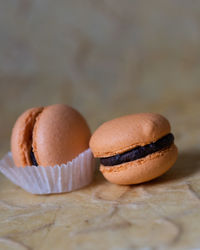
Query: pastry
x,y
134,148
47,136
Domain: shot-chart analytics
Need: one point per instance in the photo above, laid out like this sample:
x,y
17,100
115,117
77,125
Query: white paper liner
x,y
47,180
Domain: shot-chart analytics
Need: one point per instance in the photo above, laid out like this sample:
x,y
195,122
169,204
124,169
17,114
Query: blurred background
x,y
106,58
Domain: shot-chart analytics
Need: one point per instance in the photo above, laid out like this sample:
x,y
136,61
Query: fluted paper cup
x,y
54,179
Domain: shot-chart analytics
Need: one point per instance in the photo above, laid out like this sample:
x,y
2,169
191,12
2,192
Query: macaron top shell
x,y
59,135
126,132
56,134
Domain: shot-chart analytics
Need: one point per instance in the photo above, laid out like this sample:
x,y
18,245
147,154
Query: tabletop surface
x,y
161,214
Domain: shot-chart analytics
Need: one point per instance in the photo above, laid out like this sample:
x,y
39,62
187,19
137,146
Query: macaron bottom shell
x,y
141,170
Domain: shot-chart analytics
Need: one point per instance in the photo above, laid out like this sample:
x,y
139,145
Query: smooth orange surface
x,y
126,132
57,134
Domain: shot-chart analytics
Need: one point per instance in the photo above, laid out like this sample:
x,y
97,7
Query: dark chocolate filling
x,y
33,160
139,152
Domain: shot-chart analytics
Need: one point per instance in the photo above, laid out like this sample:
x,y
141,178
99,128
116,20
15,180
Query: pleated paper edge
x,y
74,175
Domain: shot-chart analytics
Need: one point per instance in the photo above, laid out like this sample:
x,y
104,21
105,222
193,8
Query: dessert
x,y
134,148
49,136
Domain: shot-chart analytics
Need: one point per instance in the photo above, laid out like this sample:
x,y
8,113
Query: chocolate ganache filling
x,y
139,152
33,160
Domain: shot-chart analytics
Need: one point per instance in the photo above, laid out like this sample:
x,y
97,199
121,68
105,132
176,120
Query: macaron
x,y
134,148
48,136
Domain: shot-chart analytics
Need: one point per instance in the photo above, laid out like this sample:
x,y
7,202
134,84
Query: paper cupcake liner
x,y
48,180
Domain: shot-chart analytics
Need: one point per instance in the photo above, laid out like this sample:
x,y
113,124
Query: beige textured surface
x,y
162,214
105,58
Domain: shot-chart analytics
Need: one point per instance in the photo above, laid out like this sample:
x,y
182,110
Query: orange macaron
x,y
49,136
134,148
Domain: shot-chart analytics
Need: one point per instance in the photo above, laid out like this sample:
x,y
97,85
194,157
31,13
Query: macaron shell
x,y
141,170
21,138
124,133
59,135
